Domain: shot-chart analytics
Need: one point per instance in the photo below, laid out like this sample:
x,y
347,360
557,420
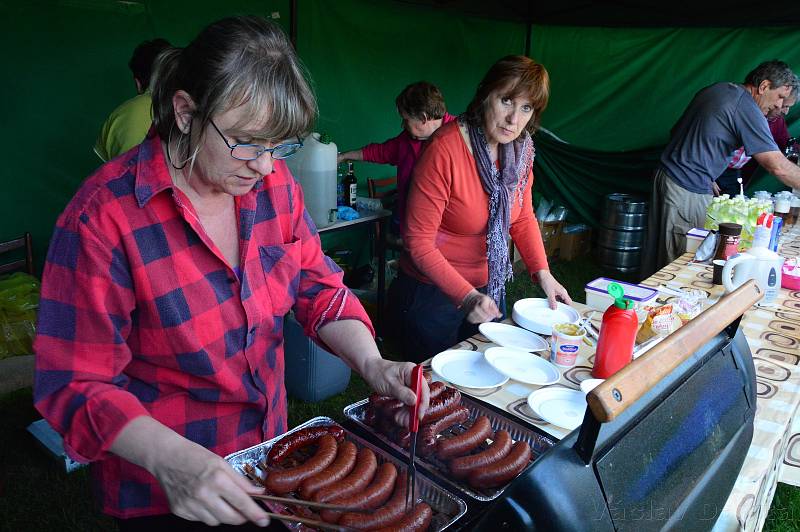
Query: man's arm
x,y
776,164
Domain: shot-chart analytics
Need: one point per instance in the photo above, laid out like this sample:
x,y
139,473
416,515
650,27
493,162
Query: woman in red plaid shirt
x,y
160,344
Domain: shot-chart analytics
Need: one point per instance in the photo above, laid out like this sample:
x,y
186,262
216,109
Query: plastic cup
x,y
565,344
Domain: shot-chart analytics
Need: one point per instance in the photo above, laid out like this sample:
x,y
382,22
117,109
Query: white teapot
x,y
760,264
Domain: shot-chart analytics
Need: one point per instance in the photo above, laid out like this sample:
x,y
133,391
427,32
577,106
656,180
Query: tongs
x,y
310,504
413,428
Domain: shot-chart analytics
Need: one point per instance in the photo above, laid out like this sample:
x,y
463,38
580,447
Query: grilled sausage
x,y
357,480
376,493
417,519
291,442
464,443
502,472
436,389
500,447
431,428
393,510
340,468
371,416
285,480
445,402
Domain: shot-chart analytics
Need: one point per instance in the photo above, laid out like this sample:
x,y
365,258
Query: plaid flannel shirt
x,y
141,315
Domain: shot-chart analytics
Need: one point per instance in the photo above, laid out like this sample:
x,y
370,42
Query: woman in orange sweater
x,y
470,190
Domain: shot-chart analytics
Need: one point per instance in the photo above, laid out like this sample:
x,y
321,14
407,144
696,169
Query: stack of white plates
x,y
522,366
467,368
511,336
536,315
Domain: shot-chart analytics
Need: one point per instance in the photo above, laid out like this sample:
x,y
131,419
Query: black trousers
x,y
424,320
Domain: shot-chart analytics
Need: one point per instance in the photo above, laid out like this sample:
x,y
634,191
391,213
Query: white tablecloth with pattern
x,y
773,333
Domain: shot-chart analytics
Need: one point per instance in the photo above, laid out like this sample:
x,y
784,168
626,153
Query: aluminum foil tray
x,y
438,469
447,507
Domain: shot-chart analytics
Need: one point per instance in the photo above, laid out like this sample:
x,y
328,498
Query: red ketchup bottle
x,y
617,335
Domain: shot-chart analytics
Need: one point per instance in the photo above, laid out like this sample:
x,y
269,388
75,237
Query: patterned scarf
x,y
516,159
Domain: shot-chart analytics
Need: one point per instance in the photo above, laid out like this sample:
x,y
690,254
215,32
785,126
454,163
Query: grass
x,y
35,495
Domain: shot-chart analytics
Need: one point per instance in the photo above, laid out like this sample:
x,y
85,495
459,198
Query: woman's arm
x,y
200,485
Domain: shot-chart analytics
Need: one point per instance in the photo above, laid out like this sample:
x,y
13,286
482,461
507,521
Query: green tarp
x,y
615,92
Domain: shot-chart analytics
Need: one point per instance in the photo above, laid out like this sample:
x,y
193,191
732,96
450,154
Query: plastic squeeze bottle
x,y
617,335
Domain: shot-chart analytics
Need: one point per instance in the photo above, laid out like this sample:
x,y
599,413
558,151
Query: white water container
x,y
314,167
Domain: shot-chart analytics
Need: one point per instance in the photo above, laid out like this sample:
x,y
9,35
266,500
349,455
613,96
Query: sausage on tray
x,y
417,519
291,442
426,440
390,512
436,389
379,490
461,467
357,480
502,472
285,480
466,442
443,404
340,468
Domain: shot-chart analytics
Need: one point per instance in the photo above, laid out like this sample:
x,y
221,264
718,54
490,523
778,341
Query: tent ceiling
x,y
646,13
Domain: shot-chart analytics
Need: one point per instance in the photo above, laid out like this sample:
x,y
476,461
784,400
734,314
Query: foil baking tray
x,y
438,469
447,507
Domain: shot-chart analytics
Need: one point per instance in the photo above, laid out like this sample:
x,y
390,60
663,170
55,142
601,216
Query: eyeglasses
x,y
250,152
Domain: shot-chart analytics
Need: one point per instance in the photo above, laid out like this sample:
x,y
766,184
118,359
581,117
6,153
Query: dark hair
x,y
518,76
421,100
776,72
144,55
233,62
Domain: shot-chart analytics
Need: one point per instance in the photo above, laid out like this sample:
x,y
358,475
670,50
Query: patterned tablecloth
x,y
773,333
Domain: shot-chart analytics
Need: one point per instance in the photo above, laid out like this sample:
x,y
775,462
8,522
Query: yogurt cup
x,y
565,344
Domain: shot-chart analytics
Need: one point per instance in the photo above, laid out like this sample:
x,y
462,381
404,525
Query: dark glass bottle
x,y
350,187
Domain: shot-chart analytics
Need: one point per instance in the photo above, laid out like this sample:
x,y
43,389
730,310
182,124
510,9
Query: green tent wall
x,y
615,92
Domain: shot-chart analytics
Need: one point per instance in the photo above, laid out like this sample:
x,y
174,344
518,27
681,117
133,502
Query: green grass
x,y
35,495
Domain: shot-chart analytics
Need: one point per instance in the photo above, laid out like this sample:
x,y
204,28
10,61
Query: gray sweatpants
x,y
673,212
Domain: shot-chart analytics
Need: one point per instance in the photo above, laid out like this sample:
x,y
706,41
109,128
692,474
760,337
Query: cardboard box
x,y
551,238
574,244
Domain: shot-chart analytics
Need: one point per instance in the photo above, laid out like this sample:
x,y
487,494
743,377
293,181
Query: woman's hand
x,y
394,379
553,289
199,485
480,308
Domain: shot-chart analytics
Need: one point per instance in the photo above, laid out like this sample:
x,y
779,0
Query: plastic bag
x,y
19,299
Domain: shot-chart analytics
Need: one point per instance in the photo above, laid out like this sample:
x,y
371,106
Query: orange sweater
x,y
447,218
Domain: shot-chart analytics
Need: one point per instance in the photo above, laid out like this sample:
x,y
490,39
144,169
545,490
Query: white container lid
x,y
696,232
635,292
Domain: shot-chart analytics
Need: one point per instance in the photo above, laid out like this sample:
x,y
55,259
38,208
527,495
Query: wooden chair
x,y
12,245
385,189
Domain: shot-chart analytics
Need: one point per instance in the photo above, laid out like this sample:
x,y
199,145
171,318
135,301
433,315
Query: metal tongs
x,y
413,428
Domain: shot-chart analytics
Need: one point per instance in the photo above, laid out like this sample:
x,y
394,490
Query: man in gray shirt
x,y
720,120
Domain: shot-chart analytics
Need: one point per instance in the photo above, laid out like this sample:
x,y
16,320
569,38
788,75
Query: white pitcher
x,y
760,264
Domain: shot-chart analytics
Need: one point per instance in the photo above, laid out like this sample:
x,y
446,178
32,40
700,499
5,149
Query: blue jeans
x,y
424,320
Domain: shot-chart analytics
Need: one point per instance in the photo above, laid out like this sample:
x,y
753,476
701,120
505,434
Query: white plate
x,y
559,406
535,314
467,368
511,336
522,366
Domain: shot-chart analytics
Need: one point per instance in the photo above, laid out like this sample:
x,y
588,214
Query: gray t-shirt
x,y
721,119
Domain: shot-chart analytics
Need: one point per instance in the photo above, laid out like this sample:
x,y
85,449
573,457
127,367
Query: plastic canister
x,y
617,335
728,243
314,167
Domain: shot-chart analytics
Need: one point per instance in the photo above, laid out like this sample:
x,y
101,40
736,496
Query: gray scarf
x,y
516,159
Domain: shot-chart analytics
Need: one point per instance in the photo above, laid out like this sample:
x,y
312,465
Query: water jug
x,y
314,167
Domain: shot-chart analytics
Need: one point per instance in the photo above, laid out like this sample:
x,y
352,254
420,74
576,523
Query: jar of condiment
x,y
727,240
794,210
